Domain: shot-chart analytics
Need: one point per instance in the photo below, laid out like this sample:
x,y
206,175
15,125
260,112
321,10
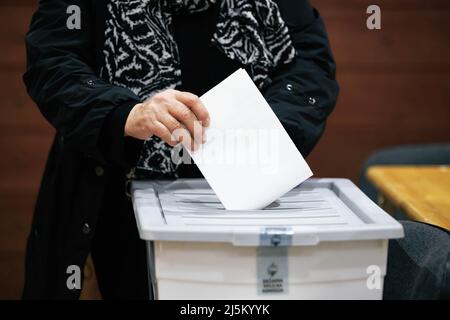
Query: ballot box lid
x,y
318,210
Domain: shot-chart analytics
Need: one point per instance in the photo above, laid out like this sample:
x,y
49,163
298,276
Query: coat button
x,y
86,229
289,87
61,140
91,83
312,101
99,171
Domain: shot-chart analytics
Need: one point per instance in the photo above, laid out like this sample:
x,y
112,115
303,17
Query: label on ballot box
x,y
272,260
272,270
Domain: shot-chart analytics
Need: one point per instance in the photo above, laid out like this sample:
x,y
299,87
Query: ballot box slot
x,y
218,202
209,217
299,207
211,208
296,224
262,213
291,201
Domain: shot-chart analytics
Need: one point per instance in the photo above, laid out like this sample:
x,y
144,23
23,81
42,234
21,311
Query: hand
x,y
174,116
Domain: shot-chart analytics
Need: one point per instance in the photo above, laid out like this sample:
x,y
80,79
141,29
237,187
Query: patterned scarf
x,y
142,55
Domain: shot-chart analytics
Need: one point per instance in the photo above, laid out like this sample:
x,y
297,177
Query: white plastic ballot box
x,y
322,240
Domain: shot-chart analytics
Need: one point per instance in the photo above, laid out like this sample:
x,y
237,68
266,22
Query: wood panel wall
x,y
395,89
395,82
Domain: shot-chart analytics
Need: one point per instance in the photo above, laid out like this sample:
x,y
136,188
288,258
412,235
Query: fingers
x,y
174,137
175,117
185,138
160,130
178,132
196,105
188,119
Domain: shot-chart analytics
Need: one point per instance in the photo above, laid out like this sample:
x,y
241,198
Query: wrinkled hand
x,y
174,116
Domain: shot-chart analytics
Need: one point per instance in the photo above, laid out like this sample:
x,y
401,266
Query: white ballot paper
x,y
248,158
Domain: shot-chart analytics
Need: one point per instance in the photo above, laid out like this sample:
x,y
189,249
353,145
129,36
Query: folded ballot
x,y
248,158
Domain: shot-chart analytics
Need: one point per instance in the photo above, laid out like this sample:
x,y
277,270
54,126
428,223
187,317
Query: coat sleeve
x,y
61,80
303,93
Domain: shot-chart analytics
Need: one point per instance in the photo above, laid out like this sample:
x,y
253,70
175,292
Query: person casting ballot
x,y
118,87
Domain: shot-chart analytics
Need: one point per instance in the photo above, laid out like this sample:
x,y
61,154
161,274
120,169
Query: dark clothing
x,y
81,205
117,251
192,34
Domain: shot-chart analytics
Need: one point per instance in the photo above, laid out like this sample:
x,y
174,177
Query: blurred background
x,y
395,89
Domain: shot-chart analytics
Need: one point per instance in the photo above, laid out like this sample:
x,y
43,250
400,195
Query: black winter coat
x,y
90,152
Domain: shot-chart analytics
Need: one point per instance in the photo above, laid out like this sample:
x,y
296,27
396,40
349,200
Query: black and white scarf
x,y
142,55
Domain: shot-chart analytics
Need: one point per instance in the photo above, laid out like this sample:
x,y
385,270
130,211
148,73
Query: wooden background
x,y
395,89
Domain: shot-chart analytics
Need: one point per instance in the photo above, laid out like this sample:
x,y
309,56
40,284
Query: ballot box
x,y
322,240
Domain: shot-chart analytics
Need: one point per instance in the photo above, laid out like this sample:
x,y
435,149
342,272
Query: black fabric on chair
x,y
419,264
